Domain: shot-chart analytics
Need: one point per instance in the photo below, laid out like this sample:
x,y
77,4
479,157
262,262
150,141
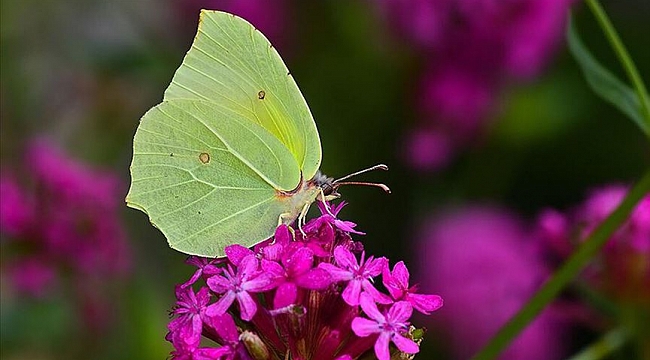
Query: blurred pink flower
x,y
428,149
472,48
60,220
478,260
32,276
16,208
622,270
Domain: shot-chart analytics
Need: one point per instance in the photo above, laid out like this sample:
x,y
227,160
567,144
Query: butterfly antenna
x,y
381,186
372,168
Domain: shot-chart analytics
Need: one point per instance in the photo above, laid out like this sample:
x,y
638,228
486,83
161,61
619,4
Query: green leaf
x,y
603,82
229,153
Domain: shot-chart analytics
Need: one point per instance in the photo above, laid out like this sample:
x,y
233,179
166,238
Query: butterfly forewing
x,y
233,65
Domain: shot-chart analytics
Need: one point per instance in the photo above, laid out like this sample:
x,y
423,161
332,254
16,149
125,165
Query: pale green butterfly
x,y
233,150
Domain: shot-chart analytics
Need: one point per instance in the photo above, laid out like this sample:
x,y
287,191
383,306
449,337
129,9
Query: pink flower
x,y
296,271
429,149
471,50
397,284
622,269
331,218
357,274
204,266
185,330
390,326
61,219
485,265
33,276
238,284
16,208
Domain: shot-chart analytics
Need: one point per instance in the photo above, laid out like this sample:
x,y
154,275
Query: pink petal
x,y
400,312
347,226
401,275
225,326
314,279
236,253
300,261
219,284
363,327
381,346
425,303
374,293
272,268
336,273
391,284
352,292
376,266
248,267
220,307
370,308
210,353
263,282
405,344
247,306
197,327
273,252
193,279
285,295
283,235
345,258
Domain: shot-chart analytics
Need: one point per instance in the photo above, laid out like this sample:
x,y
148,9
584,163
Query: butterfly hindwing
x,y
207,177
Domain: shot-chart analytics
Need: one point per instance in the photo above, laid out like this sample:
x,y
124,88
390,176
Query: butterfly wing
x,y
216,162
207,176
232,64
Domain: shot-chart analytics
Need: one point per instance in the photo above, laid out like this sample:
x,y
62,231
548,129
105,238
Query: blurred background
x,y
496,146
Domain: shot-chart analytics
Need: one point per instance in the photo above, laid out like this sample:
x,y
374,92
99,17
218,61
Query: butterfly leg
x,y
301,218
324,200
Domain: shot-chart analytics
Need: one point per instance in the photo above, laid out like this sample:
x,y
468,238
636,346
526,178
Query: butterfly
x,y
233,150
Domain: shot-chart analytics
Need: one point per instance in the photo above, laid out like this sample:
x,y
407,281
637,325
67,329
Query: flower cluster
x,y
59,221
307,294
622,269
471,49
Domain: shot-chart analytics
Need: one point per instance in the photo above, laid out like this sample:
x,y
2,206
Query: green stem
x,y
623,56
607,344
567,272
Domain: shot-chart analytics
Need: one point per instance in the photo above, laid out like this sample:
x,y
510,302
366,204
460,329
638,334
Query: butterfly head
x,y
329,186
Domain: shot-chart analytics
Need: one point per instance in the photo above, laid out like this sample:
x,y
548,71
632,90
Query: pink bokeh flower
x,y
482,261
622,269
471,51
61,225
